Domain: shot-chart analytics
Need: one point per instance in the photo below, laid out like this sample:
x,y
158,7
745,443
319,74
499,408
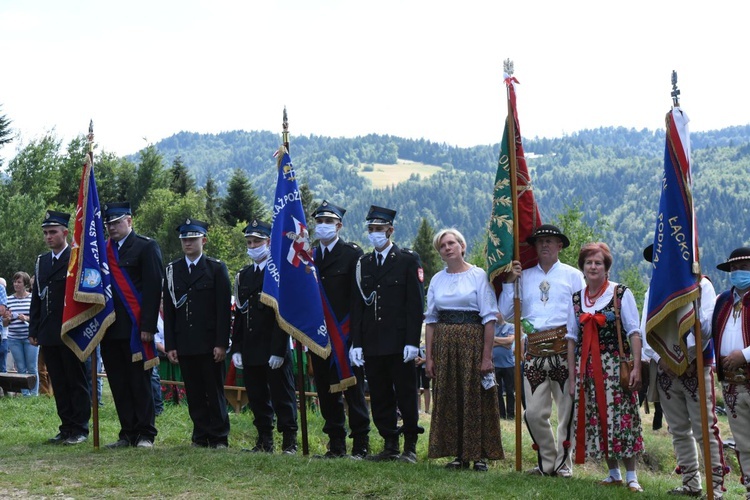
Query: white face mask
x,y
378,239
258,253
325,232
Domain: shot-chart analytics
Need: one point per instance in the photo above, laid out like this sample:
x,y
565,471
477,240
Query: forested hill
x,y
613,172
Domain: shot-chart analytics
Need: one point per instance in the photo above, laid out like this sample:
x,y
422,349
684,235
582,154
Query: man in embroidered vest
x,y
386,324
261,348
336,261
731,330
66,372
197,320
546,299
128,349
678,395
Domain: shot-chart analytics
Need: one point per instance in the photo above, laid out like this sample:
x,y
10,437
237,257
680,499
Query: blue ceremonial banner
x,y
89,309
675,268
290,284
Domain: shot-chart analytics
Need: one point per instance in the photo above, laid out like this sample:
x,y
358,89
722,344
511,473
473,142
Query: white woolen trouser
x,y
679,400
538,410
739,423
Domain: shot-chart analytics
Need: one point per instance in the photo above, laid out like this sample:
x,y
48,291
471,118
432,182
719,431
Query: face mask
x,y
325,232
258,253
740,279
378,239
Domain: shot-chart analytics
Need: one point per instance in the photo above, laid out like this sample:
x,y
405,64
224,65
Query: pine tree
x,y
150,175
423,246
213,201
6,134
181,182
241,202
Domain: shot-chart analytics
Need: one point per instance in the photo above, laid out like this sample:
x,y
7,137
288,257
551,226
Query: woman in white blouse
x,y
608,425
459,333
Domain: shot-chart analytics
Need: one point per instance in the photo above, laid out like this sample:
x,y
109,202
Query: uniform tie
x,y
191,268
54,260
380,260
323,254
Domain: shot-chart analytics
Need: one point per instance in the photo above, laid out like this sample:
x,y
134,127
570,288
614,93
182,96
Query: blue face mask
x,y
740,279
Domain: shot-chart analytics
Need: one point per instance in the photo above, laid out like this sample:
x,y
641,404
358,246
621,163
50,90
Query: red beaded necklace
x,y
590,300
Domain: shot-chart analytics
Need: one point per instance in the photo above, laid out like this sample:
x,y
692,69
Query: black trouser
x,y
207,404
72,396
332,404
272,391
131,390
506,384
393,384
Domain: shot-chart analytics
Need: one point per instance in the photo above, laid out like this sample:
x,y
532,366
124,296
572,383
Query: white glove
x,y
410,353
237,360
356,357
275,362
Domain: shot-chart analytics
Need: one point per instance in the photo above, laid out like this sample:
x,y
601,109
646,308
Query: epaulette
x,y
351,245
213,259
137,235
408,250
245,267
176,261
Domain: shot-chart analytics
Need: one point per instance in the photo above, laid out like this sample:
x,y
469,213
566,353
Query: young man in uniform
x,y
137,294
197,318
386,325
336,261
67,373
261,349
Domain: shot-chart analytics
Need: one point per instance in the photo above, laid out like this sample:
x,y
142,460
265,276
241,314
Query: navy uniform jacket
x,y
140,258
48,298
256,334
399,297
336,273
202,322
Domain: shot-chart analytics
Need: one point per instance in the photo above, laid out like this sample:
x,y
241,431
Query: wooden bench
x,y
15,382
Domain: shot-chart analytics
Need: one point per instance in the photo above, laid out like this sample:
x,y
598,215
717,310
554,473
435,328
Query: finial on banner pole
x,y
675,91
508,67
90,137
285,131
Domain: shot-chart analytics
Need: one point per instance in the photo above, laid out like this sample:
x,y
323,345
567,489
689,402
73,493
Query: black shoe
x,y
289,443
408,457
480,466
74,440
120,443
359,454
331,454
59,439
457,464
384,456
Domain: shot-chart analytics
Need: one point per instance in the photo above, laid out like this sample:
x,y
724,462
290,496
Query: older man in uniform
x,y
336,261
546,298
197,322
731,330
137,297
678,395
67,373
386,324
261,348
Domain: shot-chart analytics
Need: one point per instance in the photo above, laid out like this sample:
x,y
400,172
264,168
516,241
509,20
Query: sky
x,y
145,70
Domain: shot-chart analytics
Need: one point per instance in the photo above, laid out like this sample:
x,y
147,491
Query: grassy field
x,y
30,468
389,175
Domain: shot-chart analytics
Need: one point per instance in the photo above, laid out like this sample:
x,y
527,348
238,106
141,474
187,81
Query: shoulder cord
x,y
373,297
170,286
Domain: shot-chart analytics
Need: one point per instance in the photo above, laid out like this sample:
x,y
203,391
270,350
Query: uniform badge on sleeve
x,y
420,275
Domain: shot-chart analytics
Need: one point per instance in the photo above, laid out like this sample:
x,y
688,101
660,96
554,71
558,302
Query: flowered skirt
x,y
465,416
624,433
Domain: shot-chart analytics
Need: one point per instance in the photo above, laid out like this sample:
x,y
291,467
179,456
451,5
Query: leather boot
x,y
336,448
289,443
390,451
264,444
410,449
361,447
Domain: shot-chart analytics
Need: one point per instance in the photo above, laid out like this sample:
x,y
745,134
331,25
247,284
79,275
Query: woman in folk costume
x,y
606,413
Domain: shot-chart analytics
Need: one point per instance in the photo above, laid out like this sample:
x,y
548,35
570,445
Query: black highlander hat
x,y
548,230
741,253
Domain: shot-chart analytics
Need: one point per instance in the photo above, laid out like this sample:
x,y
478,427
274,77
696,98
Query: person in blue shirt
x,y
503,359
